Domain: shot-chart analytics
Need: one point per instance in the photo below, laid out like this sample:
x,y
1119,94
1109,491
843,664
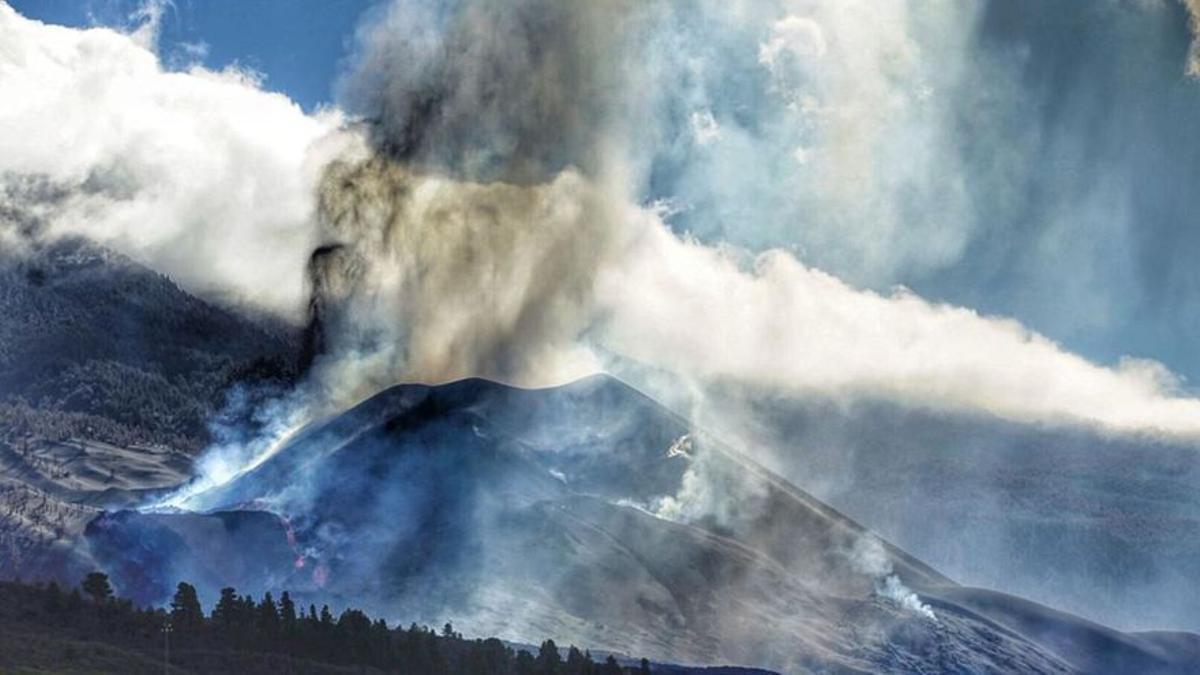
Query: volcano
x,y
590,513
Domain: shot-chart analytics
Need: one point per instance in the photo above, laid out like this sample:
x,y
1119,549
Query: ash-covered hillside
x,y
1103,525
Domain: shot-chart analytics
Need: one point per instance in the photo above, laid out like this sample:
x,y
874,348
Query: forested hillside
x,y
96,346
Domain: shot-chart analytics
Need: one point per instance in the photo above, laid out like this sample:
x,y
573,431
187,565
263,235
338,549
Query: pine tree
x,y
494,656
96,586
576,664
246,617
54,601
325,638
287,614
548,659
268,617
381,650
74,600
526,665
186,614
225,614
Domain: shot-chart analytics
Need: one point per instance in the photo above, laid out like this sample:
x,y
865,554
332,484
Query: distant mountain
x,y
93,344
1103,525
592,514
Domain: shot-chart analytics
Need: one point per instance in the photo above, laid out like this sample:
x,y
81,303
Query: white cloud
x,y
202,174
797,36
192,52
857,76
705,127
692,309
148,21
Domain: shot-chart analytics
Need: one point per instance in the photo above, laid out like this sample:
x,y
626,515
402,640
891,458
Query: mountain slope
x,y
1103,525
590,513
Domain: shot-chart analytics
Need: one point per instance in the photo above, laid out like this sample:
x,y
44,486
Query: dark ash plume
x,y
469,237
325,267
513,91
439,279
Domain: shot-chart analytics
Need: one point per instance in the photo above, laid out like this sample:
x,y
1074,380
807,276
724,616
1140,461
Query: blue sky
x,y
298,45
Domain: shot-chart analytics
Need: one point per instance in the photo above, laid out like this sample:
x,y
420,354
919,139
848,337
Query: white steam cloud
x,y
870,558
202,174
496,222
694,310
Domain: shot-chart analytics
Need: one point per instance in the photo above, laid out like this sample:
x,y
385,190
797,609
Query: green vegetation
x,y
45,628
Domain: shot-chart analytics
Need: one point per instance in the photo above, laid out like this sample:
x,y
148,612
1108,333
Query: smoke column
x,y
500,219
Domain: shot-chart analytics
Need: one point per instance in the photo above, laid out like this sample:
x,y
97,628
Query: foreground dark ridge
x,y
46,629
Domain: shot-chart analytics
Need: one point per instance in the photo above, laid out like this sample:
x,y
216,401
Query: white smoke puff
x,y
693,501
892,589
705,127
709,489
232,455
148,18
870,558
1193,58
681,447
793,35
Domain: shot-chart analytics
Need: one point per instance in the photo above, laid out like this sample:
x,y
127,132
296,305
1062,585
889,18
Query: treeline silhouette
x,y
273,635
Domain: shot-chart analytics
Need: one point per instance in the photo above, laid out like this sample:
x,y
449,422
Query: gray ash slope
x,y
592,514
